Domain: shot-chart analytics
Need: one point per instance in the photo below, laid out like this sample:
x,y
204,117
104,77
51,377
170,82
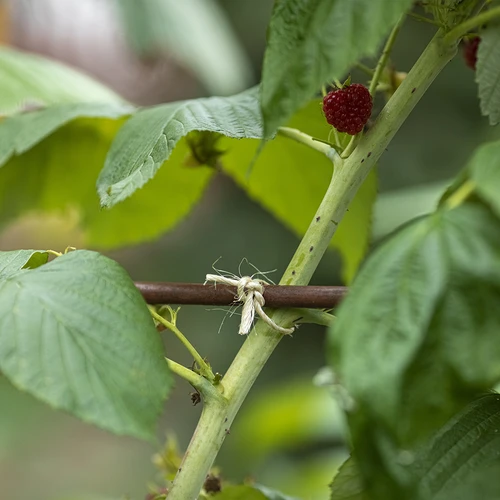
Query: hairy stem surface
x,y
348,176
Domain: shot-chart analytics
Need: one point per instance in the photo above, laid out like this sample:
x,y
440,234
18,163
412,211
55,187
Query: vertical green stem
x,y
258,347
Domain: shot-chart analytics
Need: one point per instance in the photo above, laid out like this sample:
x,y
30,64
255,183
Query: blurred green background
x,y
289,434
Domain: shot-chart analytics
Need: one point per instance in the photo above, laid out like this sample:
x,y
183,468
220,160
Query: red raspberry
x,y
349,108
470,51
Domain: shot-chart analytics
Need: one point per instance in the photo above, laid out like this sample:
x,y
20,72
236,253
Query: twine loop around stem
x,y
250,292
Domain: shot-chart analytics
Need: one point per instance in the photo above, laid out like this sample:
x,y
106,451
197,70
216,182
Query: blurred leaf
x,y
20,133
488,73
290,180
451,465
483,484
431,291
395,208
467,445
347,484
59,174
427,288
240,493
286,417
77,334
92,497
12,262
28,80
313,42
484,170
196,33
449,13
148,138
272,494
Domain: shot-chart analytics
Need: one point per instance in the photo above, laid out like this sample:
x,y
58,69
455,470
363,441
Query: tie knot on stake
x,y
250,292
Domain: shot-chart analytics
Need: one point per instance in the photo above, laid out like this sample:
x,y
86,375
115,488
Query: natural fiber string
x,y
251,293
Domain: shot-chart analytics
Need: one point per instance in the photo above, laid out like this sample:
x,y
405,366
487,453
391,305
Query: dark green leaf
x,y
20,133
420,305
482,484
312,42
484,171
12,262
58,176
149,137
463,451
488,73
290,180
196,33
77,334
347,484
30,81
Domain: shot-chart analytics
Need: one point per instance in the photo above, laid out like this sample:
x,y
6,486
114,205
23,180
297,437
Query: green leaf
x,y
484,171
451,466
481,484
488,73
290,180
286,417
77,334
12,262
58,175
20,133
272,494
240,493
29,80
255,492
313,42
197,33
149,137
347,484
461,452
424,304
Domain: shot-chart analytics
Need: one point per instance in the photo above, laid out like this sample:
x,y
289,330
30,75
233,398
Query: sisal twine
x,y
251,293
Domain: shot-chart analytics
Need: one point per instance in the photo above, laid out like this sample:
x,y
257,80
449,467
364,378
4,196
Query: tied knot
x,y
250,292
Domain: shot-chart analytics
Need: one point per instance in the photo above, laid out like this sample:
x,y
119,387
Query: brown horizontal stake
x,y
317,297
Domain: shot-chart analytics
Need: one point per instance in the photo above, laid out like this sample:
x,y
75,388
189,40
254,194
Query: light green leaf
x,y
240,493
313,42
347,484
272,494
290,180
488,73
287,417
12,262
58,175
484,171
149,137
20,133
29,80
77,334
463,450
196,33
395,208
428,289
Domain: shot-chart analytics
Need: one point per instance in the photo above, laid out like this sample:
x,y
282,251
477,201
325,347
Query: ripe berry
x,y
470,51
349,108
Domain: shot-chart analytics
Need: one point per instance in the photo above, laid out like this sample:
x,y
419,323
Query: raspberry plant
x,y
415,344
